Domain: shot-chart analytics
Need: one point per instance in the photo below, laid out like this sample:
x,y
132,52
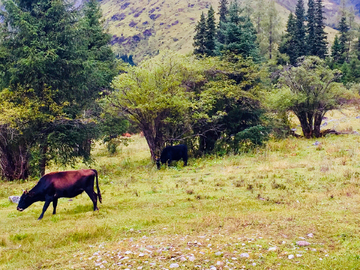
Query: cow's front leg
x,y
55,201
46,205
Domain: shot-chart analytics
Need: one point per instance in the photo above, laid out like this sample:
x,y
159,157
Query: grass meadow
x,y
293,204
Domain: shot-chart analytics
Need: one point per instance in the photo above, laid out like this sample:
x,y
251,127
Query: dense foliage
x,y
54,61
175,98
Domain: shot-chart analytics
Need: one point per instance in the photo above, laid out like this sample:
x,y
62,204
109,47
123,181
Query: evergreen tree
x,y
270,25
56,54
343,39
210,33
311,26
223,12
200,36
320,35
240,34
336,50
288,44
100,63
300,30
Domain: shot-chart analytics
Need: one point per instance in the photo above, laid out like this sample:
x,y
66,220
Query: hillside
x,y
142,27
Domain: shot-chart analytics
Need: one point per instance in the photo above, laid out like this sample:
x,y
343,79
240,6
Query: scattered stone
x,y
244,255
302,243
14,199
191,258
218,253
310,235
291,257
174,265
272,248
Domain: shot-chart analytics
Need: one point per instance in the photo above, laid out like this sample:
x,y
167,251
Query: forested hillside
x,y
142,27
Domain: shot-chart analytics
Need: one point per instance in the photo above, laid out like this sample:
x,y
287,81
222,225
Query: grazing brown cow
x,y
55,185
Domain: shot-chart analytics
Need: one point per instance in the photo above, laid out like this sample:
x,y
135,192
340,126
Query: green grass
x,y
205,214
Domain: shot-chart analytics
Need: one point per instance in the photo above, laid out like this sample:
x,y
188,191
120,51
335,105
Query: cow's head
x,y
26,199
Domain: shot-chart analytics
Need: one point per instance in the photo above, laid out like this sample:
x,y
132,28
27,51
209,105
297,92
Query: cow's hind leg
x,y
93,197
55,201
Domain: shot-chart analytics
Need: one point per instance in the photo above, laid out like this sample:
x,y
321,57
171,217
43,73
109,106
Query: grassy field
x,y
234,212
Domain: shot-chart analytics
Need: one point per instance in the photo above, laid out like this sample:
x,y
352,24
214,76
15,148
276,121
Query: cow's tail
x,y
97,186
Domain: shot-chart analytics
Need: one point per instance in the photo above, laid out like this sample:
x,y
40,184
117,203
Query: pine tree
x,y
336,49
320,35
240,34
100,63
343,39
210,33
223,12
311,26
61,56
268,28
300,30
200,36
288,44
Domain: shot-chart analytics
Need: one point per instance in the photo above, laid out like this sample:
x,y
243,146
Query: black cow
x,y
171,153
55,185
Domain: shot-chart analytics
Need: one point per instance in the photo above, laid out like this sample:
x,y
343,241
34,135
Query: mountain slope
x,y
143,27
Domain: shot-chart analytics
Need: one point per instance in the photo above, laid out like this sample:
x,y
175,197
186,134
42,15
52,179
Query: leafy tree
x,y
231,100
155,95
288,40
309,91
300,30
210,33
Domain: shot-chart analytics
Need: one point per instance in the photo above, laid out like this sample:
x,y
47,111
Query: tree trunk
x,y
305,125
14,158
317,124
